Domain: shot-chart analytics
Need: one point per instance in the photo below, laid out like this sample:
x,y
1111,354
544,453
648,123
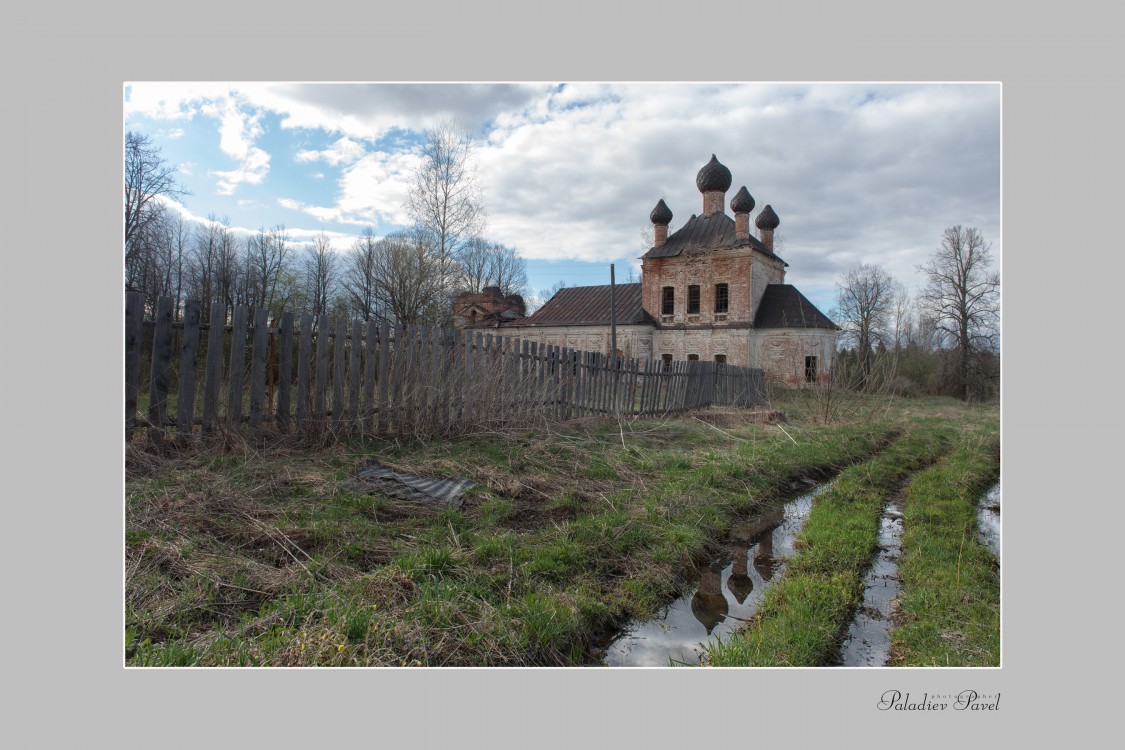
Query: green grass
x,y
266,558
951,585
801,617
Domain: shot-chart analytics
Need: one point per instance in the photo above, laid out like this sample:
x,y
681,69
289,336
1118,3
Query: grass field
x,y
240,556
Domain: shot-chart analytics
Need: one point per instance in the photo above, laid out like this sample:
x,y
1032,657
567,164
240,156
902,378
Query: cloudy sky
x,y
857,173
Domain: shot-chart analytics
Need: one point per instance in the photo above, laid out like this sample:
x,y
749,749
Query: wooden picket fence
x,y
365,378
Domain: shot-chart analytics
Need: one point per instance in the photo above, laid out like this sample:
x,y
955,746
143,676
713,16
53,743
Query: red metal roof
x,y
588,306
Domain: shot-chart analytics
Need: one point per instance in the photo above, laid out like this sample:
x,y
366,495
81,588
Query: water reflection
x,y
708,604
988,520
729,592
740,584
867,642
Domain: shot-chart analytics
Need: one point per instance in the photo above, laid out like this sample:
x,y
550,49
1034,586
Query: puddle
x,y
868,641
729,593
988,520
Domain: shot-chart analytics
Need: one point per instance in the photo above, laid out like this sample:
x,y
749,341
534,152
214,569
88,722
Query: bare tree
x,y
204,261
864,310
445,197
962,296
408,283
267,255
481,263
320,276
361,266
901,316
148,178
541,297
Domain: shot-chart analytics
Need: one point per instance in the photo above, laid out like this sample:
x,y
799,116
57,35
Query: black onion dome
x,y
742,202
767,219
713,176
661,214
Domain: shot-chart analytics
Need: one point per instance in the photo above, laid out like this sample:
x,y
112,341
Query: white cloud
x,y
302,236
343,151
855,172
237,132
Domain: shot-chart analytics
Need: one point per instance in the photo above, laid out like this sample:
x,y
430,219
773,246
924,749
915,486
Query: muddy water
x,y
868,641
988,520
729,592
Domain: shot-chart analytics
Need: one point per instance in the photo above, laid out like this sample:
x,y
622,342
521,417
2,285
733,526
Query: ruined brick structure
x,y
709,290
488,309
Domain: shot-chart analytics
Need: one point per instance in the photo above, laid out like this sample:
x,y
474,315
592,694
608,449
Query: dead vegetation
x,y
238,554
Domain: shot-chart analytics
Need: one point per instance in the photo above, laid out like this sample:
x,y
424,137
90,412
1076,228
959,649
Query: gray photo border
x,y
66,64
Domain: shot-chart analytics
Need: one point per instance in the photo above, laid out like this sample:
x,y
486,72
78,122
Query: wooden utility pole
x,y
612,320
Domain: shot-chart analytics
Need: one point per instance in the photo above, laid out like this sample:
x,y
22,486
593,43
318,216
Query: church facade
x,y
710,290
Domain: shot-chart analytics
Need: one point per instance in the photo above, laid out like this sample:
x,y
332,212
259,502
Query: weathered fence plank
x,y
237,366
134,330
185,406
369,375
161,358
304,357
338,376
258,368
320,397
384,386
213,367
354,375
284,370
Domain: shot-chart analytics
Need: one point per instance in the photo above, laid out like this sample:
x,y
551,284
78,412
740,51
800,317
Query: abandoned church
x,y
709,290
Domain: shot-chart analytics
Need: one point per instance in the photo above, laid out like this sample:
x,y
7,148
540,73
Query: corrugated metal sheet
x,y
706,233
782,306
442,492
589,305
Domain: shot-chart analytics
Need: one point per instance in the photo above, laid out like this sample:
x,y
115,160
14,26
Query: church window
x,y
722,298
668,305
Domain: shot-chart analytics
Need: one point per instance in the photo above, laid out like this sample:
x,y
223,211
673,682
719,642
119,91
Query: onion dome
x,y
742,202
661,214
767,219
713,176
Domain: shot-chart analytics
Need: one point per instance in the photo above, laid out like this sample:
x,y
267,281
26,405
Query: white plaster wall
x,y
632,340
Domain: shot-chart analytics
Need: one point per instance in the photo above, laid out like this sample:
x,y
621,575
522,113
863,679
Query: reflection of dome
x,y
764,561
709,605
740,586
709,609
766,565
